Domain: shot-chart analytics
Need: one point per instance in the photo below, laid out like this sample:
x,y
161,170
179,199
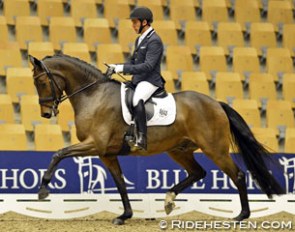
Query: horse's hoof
x,y
118,221
242,216
43,193
169,206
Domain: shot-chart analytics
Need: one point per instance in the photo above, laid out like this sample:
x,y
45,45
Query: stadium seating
x,y
81,9
115,10
3,30
6,109
181,11
126,35
290,140
10,56
169,85
214,11
109,53
79,50
167,31
65,118
267,137
13,137
196,81
16,8
49,8
40,49
289,87
289,37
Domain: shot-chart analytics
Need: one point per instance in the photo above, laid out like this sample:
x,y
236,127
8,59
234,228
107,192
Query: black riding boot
x,y
140,122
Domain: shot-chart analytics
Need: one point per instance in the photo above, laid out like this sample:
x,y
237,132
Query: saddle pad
x,y
164,110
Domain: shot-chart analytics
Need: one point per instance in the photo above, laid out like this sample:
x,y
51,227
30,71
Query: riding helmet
x,y
142,13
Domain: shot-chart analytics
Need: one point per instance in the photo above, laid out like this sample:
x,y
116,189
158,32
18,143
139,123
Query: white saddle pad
x,y
164,110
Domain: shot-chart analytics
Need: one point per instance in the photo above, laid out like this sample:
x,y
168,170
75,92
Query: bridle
x,y
55,98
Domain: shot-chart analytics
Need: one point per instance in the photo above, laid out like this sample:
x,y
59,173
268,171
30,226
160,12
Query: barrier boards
x,y
82,186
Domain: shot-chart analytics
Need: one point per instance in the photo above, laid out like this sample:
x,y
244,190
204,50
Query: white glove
x,y
118,68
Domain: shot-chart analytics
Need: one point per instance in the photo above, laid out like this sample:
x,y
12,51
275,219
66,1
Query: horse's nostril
x,y
46,115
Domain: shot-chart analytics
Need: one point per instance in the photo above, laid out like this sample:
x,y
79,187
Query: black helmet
x,y
142,13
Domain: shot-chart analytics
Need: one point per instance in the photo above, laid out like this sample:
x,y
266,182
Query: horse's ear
x,y
34,61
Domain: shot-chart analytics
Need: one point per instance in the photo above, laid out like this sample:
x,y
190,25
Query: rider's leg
x,y
143,92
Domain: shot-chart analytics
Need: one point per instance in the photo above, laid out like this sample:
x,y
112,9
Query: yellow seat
x,y
49,8
262,36
48,138
245,61
229,36
30,112
248,109
279,115
212,60
196,81
247,12
289,87
79,50
15,8
73,133
110,54
279,61
290,141
28,29
155,6
182,11
3,30
197,34
169,85
61,30
114,10
214,11
81,9
228,86
166,29
279,12
40,49
262,88
65,118
96,31
6,109
267,137
289,37
178,59
13,137
19,82
126,35
10,56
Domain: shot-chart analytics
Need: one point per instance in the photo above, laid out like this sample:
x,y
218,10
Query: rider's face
x,y
136,24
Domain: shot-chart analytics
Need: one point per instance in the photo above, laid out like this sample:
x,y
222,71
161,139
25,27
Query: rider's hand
x,y
118,68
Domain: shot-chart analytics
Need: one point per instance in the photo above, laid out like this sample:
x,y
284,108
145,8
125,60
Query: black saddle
x,y
149,104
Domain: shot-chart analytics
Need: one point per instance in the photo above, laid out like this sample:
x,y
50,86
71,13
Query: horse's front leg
x,y
86,148
113,165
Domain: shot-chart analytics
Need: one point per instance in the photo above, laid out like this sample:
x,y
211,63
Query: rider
x,y
145,66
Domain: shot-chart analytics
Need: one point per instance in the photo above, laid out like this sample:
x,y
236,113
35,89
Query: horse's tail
x,y
253,153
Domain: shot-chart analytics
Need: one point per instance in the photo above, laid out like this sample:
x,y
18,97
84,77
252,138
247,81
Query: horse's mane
x,y
91,72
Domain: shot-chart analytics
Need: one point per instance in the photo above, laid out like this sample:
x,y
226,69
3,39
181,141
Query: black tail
x,y
253,153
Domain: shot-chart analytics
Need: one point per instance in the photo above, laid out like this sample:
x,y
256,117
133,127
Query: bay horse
x,y
201,122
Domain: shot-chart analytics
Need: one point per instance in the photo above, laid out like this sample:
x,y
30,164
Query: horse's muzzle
x,y
46,115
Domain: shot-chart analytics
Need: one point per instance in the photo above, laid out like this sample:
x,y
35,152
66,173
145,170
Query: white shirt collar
x,y
144,35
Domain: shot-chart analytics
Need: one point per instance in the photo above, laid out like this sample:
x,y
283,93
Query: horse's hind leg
x,y
226,164
195,172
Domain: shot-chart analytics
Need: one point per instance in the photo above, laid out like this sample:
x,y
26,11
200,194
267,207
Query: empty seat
x,y
114,10
48,138
279,116
245,61
289,37
19,82
61,30
126,35
279,61
212,60
214,11
3,30
228,86
10,56
110,54
196,81
79,50
169,85
15,8
155,6
166,29
179,59
96,31
197,34
65,118
247,13
267,137
229,36
262,88
28,29
73,133
289,88
248,109
6,109
49,8
81,9
40,49
30,112
290,141
262,36
13,137
182,11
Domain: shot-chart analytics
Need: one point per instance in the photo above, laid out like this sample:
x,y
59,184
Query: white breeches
x,y
143,91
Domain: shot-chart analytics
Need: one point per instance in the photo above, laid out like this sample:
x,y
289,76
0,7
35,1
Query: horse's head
x,y
49,86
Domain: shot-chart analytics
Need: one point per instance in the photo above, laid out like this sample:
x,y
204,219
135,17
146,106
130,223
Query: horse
x,y
201,122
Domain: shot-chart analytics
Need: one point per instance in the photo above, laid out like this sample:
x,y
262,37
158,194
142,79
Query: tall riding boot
x,y
140,122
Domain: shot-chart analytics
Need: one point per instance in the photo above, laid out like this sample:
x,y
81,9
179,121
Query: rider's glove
x,y
118,68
